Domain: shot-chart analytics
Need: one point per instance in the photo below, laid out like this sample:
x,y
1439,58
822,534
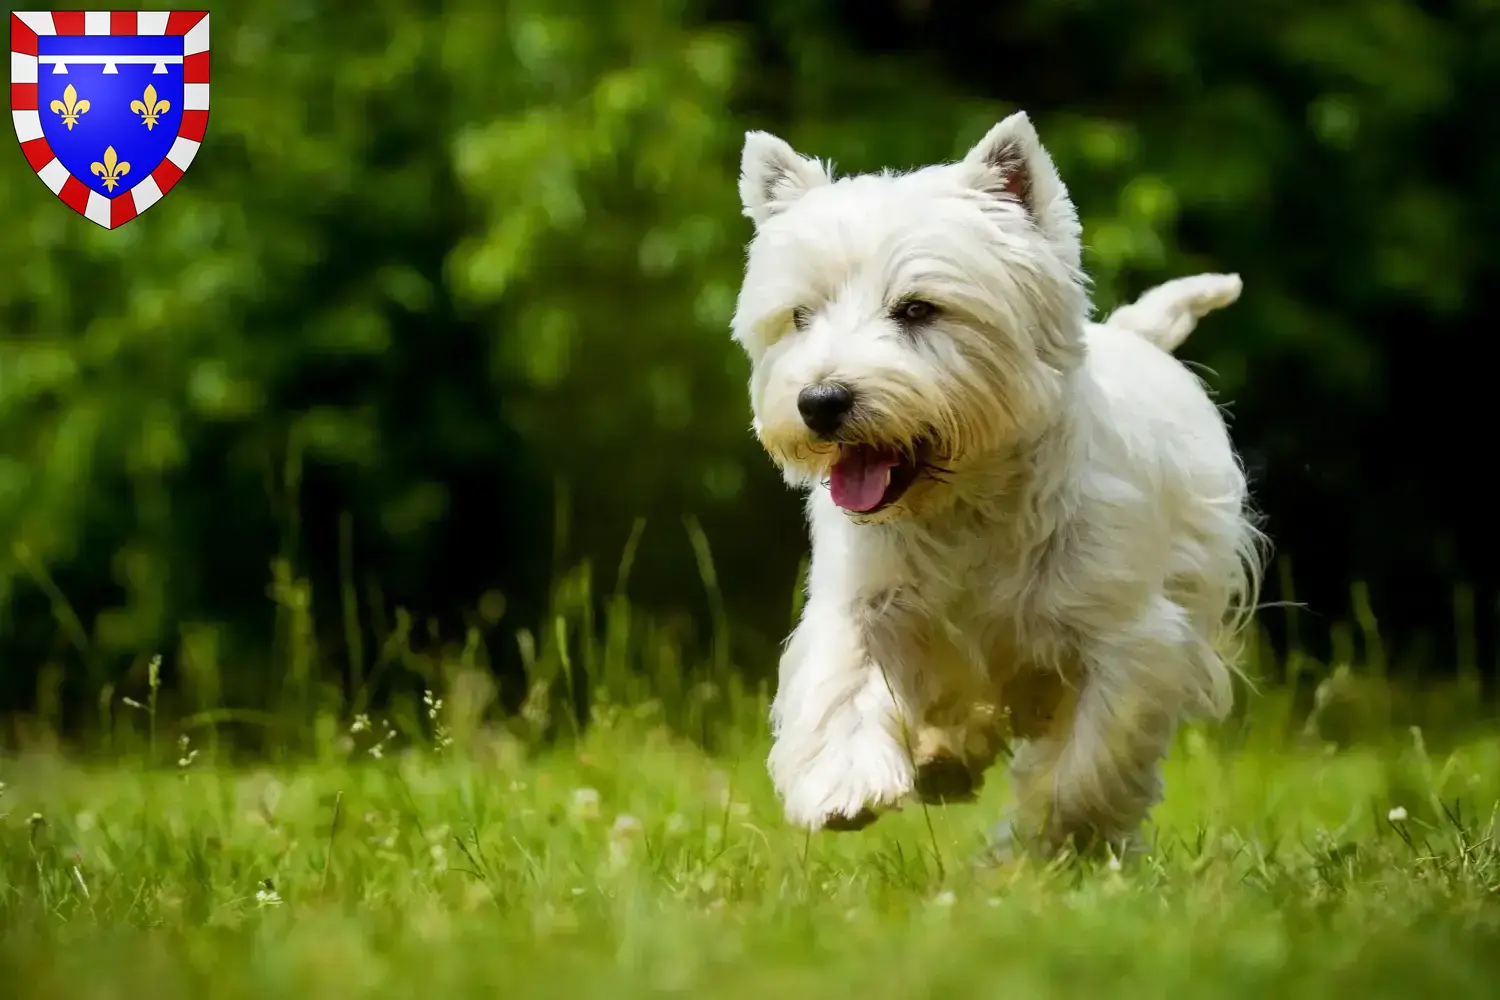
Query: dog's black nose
x,y
825,406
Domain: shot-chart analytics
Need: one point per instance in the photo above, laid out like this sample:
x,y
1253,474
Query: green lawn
x,y
631,864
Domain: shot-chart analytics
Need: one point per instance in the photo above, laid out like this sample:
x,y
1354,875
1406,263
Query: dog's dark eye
x,y
914,311
801,316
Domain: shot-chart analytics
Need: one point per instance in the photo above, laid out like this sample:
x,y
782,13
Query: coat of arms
x,y
110,106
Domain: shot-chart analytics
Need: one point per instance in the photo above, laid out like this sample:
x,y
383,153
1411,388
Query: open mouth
x,y
868,478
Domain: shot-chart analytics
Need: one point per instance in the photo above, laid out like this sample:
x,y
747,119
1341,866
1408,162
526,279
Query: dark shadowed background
x,y
435,328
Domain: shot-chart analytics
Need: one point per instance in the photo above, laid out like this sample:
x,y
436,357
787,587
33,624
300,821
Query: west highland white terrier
x,y
1030,532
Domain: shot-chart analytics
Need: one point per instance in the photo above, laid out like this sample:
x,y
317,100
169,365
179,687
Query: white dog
x,y
1025,526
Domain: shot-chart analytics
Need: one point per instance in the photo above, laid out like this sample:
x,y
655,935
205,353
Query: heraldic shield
x,y
110,106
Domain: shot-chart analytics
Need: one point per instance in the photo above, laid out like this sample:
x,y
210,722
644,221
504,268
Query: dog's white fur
x,y
1062,587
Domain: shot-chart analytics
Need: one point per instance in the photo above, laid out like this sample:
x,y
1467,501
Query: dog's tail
x,y
1166,314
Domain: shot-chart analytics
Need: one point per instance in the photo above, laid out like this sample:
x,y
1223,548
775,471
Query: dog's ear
x,y
773,176
1011,163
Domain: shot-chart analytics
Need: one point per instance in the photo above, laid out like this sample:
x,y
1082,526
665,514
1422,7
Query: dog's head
x,y
903,325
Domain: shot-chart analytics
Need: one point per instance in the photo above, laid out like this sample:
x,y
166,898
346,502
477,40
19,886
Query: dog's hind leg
x,y
1093,776
1091,781
1166,314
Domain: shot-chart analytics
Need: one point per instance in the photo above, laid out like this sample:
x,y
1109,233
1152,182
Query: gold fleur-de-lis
x,y
150,109
111,170
70,107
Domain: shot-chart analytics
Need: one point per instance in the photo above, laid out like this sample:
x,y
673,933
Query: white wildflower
x,y
626,832
585,804
185,756
626,827
1397,815
442,738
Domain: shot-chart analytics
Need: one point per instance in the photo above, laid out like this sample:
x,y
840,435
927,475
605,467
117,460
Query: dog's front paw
x,y
843,786
941,780
840,823
944,774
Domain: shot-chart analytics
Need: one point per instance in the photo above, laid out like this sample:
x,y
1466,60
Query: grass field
x,y
630,863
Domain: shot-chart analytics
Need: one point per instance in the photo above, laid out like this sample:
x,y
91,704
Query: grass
x,y
584,848
630,863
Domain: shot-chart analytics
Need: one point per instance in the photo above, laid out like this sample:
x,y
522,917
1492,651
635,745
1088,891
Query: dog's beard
x,y
867,472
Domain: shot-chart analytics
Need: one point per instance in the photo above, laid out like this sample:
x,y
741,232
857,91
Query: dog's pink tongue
x,y
860,477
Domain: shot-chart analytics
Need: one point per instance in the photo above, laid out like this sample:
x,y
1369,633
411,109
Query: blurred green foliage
x,y
437,260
